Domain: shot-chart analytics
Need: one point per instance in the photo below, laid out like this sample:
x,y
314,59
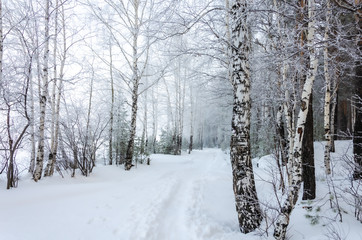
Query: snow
x,y
186,197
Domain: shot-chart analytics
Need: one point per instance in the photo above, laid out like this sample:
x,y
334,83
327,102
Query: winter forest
x,y
170,119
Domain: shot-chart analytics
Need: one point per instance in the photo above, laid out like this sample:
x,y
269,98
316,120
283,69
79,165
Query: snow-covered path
x,y
187,197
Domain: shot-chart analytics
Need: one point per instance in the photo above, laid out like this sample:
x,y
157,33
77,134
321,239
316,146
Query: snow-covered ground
x,y
176,198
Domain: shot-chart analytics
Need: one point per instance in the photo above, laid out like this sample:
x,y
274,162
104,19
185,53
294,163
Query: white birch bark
x,y
285,108
155,117
247,204
144,138
86,164
32,107
49,169
180,110
57,93
43,99
60,90
288,206
327,98
135,82
289,112
178,106
111,113
191,119
170,115
32,129
289,119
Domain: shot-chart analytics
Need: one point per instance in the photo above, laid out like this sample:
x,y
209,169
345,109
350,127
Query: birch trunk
x,y
57,93
181,109
144,138
130,146
283,142
247,204
289,112
180,96
135,80
43,100
191,120
327,97
292,197
32,129
32,104
49,169
86,164
111,113
154,123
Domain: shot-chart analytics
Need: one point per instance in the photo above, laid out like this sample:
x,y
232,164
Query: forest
x,y
86,84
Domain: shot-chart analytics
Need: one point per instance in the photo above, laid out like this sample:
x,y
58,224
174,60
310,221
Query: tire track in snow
x,y
176,206
145,216
207,224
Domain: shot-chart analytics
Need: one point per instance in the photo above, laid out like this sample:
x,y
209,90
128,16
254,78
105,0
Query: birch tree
x,y
50,165
111,112
35,42
130,18
43,97
135,84
296,180
327,98
191,119
247,205
154,95
49,169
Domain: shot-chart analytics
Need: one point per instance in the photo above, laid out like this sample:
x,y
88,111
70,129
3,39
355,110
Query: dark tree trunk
x,y
357,140
333,124
357,133
309,185
282,138
191,143
10,172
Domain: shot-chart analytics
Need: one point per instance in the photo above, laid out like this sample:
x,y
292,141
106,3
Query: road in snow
x,y
187,197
